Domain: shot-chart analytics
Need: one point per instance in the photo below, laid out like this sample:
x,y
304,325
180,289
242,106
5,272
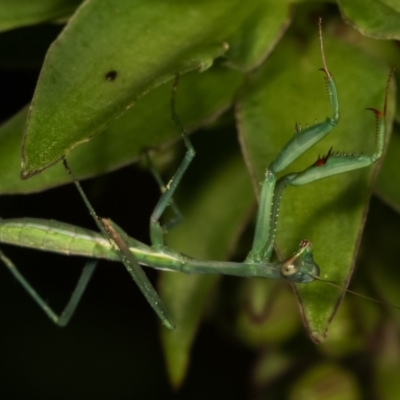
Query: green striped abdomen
x,y
55,236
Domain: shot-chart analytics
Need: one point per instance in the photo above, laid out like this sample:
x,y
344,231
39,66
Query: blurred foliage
x,y
236,338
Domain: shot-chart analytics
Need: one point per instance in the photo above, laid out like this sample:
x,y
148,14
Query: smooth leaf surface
x,y
329,213
108,56
375,18
200,97
15,14
217,219
258,35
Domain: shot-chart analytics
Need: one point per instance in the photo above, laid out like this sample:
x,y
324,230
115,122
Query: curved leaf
x,y
108,56
200,97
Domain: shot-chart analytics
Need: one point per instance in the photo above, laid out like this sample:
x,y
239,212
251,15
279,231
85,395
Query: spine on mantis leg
x,y
330,164
306,138
263,224
381,121
336,163
280,186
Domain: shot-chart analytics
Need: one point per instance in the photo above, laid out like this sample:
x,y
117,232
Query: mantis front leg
x,y
331,164
294,148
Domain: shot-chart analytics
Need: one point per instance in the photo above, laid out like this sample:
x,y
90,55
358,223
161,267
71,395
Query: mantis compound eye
x,y
304,243
289,267
300,267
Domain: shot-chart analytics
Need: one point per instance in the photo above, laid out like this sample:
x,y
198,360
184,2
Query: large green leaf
x,y
330,213
108,56
200,97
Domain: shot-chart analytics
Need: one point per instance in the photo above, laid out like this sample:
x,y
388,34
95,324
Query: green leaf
x,y
258,35
217,221
328,213
375,18
200,97
14,14
108,56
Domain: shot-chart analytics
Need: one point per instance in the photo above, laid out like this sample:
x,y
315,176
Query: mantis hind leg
x,y
118,239
156,229
68,312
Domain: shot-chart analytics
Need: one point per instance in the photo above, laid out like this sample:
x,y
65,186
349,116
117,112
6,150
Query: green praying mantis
x,y
112,243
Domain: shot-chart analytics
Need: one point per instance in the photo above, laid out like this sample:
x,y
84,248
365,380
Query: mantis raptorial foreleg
x,y
331,164
294,148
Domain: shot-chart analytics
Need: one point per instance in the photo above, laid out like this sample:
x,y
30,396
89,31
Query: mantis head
x,y
300,267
